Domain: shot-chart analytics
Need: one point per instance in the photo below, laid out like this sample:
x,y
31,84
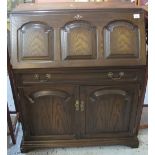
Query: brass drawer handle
x,y
82,106
111,75
77,105
36,76
47,77
78,17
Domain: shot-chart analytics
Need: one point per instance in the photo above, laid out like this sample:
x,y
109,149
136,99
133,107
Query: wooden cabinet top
x,y
73,6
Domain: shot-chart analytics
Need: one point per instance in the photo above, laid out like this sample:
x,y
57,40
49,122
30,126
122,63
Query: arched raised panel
x,y
101,93
78,41
46,93
121,40
50,110
108,109
35,42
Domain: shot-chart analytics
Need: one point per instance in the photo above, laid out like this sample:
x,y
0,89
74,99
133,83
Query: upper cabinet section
x,y
122,40
35,42
78,38
78,41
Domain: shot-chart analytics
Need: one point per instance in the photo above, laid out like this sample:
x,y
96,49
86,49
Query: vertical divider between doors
x,y
82,95
77,114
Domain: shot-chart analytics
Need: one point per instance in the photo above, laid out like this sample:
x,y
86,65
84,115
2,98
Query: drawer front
x,y
80,77
79,38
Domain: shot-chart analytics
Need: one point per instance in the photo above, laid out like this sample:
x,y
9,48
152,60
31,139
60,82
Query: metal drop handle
x,y
77,105
36,76
48,76
111,75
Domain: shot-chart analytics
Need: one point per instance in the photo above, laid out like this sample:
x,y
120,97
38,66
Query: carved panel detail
x,y
110,110
44,93
121,40
35,42
78,40
50,111
102,92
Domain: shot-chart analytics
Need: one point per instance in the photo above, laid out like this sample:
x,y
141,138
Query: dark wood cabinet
x,y
80,73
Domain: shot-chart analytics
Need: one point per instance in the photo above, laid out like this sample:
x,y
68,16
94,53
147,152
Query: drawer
x,y
83,76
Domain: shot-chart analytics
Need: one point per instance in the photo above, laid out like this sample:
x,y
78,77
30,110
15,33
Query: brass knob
x,y
77,105
48,76
82,105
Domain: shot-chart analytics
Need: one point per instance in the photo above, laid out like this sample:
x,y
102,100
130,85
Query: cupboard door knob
x,y
82,106
77,105
48,76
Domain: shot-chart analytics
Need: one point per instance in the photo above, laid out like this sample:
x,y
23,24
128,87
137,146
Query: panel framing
x,y
65,40
49,36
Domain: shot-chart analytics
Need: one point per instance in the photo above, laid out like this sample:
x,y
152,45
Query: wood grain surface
x,y
80,71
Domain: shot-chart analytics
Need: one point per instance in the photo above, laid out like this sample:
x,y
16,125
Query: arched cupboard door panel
x,y
109,109
121,40
49,111
35,42
78,41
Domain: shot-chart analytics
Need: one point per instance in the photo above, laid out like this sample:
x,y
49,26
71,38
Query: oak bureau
x,y
80,71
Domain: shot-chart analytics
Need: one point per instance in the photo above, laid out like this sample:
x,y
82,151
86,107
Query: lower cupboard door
x,y
110,111
49,112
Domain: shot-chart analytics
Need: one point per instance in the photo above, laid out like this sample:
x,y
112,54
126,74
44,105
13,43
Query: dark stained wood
x,y
79,75
109,109
50,110
80,39
122,39
82,81
35,42
31,145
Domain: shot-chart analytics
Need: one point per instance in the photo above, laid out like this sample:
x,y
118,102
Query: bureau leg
x,y
23,148
134,144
